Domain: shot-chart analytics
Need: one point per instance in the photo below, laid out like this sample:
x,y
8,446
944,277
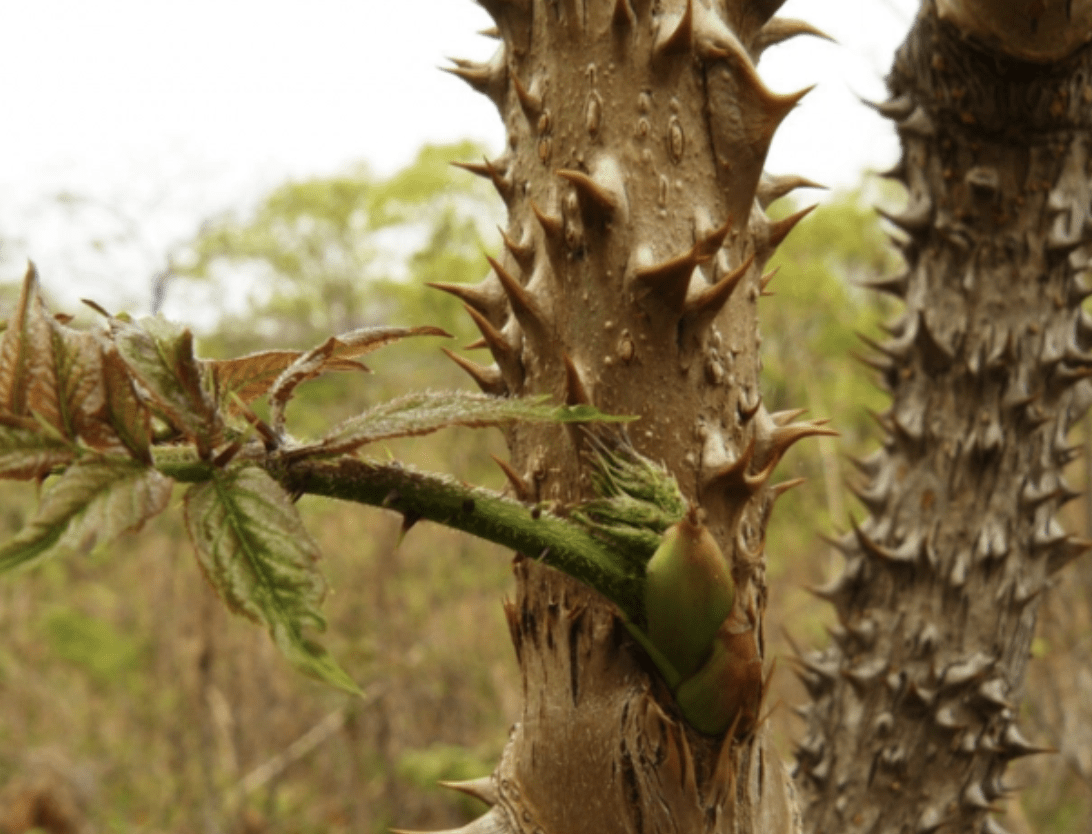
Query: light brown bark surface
x,y
1031,30
915,702
637,131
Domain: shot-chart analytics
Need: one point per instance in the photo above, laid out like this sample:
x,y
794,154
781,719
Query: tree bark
x,y
637,131
914,717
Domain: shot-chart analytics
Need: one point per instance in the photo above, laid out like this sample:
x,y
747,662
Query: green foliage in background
x,y
327,256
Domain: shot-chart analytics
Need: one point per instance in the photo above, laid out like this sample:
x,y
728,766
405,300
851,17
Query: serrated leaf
x,y
127,415
429,411
161,357
336,353
27,452
253,375
94,501
27,380
256,553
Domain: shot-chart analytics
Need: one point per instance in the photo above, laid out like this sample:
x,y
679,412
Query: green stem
x,y
532,531
529,530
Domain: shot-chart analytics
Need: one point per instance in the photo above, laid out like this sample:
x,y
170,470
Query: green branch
x,y
536,533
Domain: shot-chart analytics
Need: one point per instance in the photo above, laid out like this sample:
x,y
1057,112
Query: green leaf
x,y
27,378
161,357
27,452
125,412
429,411
256,553
94,501
338,353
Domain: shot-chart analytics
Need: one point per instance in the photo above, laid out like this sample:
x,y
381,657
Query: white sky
x,y
156,114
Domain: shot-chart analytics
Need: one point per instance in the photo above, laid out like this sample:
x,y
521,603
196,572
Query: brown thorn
x,y
473,295
524,306
489,380
767,279
734,474
780,29
477,344
773,188
777,490
523,253
669,279
479,76
503,185
780,230
481,789
708,246
622,15
477,168
498,346
785,436
528,101
575,392
681,38
554,227
703,307
595,198
519,486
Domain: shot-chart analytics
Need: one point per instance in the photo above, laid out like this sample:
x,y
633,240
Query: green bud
x,y
688,594
727,691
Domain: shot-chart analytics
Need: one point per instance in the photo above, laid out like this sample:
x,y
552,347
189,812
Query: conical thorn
x,y
482,789
783,418
766,280
700,309
553,227
777,490
623,16
489,380
772,188
707,246
524,253
519,486
576,393
781,228
504,353
784,437
676,35
897,108
529,102
780,29
482,298
595,199
487,78
524,305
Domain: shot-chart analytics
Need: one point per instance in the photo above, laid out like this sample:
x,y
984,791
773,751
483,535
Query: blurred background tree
x,y
133,702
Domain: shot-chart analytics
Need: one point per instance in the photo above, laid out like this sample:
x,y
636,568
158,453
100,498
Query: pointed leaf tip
x,y
254,550
91,503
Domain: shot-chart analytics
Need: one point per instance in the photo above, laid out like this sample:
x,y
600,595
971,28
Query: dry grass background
x,y
131,701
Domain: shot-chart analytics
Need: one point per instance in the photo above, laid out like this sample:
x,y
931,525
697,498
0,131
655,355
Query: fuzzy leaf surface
x,y
429,411
256,553
336,353
27,377
94,501
27,452
161,357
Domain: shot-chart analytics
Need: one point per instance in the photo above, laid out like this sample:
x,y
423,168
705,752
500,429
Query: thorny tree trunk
x,y
914,713
637,131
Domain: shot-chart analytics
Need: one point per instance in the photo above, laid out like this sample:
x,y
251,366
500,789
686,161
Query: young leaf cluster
x,y
108,419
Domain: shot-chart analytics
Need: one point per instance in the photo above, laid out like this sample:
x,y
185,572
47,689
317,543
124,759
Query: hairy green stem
x,y
529,530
